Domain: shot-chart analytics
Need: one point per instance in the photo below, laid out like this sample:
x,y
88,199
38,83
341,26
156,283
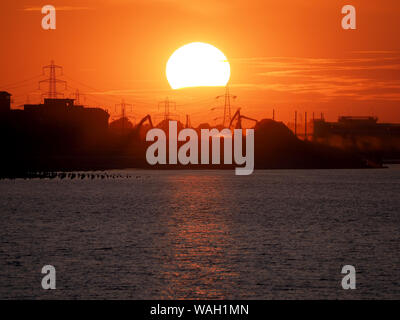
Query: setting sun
x,y
197,64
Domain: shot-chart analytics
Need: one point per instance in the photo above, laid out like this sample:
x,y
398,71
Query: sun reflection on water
x,y
199,239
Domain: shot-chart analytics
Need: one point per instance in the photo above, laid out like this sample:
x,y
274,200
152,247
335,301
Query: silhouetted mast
x,y
188,123
77,97
305,126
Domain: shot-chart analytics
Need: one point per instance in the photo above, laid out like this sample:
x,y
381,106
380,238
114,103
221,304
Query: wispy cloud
x,y
377,52
359,78
58,8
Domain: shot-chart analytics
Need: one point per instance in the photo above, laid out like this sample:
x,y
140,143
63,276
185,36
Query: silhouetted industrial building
x,y
364,134
55,127
63,112
355,126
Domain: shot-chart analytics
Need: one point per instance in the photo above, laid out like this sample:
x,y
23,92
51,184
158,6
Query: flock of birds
x,y
74,175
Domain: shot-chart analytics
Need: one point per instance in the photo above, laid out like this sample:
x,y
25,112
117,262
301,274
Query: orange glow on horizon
x,y
290,55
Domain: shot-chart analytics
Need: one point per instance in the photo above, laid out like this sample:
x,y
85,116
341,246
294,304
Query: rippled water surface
x,y
203,235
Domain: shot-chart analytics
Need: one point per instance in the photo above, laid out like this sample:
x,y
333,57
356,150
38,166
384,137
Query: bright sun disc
x,y
198,64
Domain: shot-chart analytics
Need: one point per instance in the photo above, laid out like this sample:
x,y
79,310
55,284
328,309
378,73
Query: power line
x,y
15,84
100,92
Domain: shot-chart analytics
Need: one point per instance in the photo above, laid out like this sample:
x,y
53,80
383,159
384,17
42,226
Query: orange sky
x,y
287,54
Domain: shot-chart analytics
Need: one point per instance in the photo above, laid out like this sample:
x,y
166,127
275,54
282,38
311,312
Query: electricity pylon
x,y
167,103
123,106
52,81
227,106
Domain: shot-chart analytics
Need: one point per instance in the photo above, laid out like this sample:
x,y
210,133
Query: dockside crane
x,y
140,131
239,118
146,118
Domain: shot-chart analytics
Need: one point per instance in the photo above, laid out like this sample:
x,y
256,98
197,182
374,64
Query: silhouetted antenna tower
x,y
77,95
227,106
167,103
52,81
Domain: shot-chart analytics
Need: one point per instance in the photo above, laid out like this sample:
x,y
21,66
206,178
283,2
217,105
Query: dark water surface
x,y
203,235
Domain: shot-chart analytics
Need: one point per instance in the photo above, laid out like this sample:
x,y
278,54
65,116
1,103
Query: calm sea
x,y
283,234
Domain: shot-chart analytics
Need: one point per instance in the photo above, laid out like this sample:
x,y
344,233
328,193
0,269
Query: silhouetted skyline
x,y
286,55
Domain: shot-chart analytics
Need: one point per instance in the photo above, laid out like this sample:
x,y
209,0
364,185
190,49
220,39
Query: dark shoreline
x,y
80,174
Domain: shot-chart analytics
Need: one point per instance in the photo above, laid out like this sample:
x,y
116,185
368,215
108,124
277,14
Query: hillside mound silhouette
x,y
121,124
276,147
